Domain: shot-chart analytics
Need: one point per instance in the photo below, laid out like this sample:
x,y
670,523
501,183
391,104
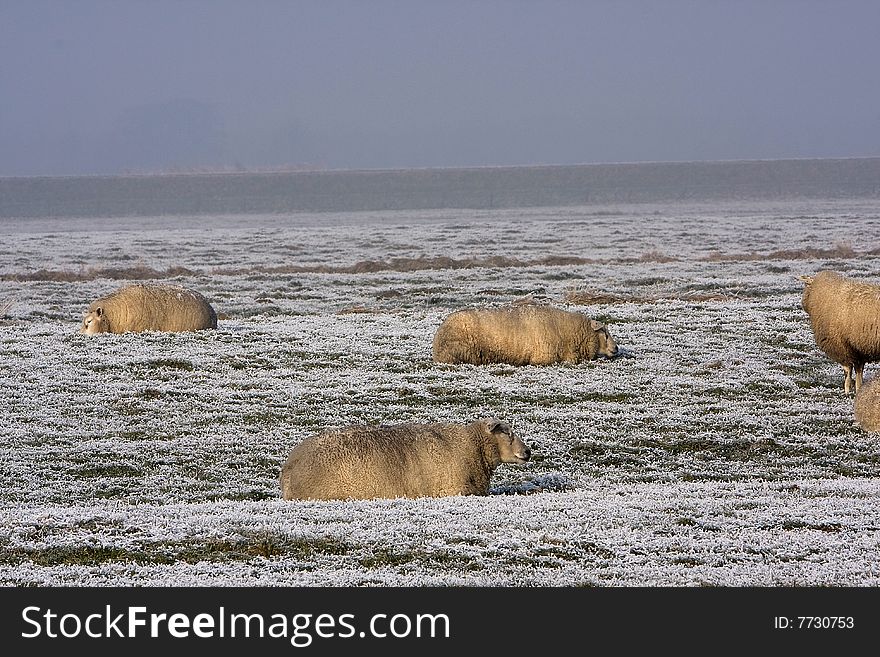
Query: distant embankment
x,y
411,189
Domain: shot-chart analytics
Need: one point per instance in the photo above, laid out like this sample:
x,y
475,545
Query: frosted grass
x,y
719,450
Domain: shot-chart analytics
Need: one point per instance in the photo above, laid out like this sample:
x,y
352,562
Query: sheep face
x,y
94,322
805,298
510,448
607,345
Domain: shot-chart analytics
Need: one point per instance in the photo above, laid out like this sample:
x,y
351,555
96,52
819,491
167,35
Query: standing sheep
x,y
521,335
845,317
403,460
867,405
146,307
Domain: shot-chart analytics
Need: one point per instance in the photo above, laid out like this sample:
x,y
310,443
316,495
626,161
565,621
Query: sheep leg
x,y
847,378
859,371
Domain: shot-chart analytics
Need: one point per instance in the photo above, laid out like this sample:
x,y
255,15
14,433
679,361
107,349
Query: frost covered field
x,y
719,449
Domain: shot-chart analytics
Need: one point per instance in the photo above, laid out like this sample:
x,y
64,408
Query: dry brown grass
x,y
139,272
357,310
414,264
840,250
143,272
590,297
655,256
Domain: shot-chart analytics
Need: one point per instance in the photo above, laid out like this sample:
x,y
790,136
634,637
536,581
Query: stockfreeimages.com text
x,y
300,629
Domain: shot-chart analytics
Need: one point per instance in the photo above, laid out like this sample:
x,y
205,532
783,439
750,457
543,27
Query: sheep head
x,y
510,448
607,344
95,321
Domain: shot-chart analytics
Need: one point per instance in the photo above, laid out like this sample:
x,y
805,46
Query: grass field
x,y
718,449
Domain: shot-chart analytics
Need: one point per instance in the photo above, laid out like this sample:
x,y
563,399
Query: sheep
x,y
149,307
845,318
867,405
521,335
403,460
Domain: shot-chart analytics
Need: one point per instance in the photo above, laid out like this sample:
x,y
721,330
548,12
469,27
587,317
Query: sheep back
x,y
146,307
845,318
867,405
521,335
403,460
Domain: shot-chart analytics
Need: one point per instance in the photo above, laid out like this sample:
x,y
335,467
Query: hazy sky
x,y
91,86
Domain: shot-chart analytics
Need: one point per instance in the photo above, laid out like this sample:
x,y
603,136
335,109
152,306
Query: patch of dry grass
x,y
139,272
839,250
587,297
590,297
413,264
425,263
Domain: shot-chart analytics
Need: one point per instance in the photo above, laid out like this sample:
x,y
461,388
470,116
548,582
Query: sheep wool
x,y
403,460
521,335
149,307
845,318
867,405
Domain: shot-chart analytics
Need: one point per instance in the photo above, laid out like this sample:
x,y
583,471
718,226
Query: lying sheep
x,y
521,335
845,317
144,307
867,405
403,460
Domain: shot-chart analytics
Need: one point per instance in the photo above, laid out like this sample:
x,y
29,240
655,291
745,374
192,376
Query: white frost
x,y
721,451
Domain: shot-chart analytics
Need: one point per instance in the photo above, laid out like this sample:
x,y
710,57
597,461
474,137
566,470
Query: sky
x,y
125,86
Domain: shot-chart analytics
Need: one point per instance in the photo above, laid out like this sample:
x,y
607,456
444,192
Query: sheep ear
x,y
493,424
596,325
99,311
